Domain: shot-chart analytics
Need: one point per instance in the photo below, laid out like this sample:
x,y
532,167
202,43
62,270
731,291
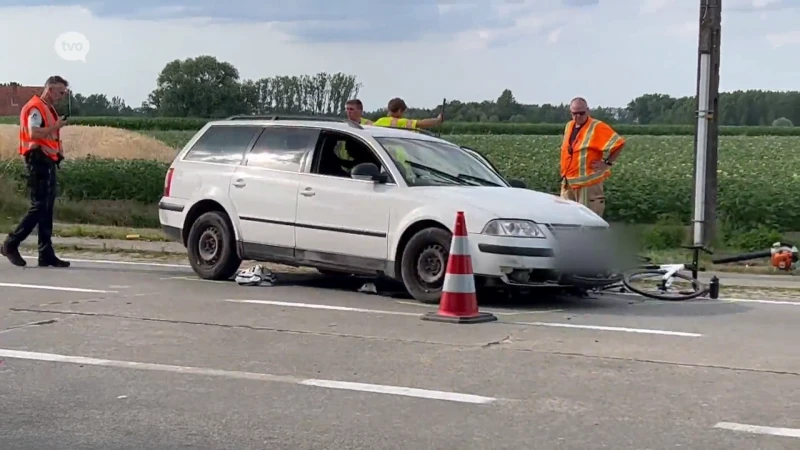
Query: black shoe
x,y
12,253
53,262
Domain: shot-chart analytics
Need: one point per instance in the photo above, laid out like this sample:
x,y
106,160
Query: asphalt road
x,y
131,356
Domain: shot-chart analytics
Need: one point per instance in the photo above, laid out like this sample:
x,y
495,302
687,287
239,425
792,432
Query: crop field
x,y
758,175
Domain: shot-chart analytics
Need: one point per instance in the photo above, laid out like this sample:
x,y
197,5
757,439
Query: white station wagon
x,y
334,195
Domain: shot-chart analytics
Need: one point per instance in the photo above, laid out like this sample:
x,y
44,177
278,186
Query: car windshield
x,y
430,163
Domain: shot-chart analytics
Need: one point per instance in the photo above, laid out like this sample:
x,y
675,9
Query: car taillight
x,y
168,182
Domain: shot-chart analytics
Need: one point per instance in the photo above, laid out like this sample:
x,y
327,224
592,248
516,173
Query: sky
x,y
545,51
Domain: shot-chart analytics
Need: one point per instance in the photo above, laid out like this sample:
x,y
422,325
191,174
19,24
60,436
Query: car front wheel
x,y
424,263
212,247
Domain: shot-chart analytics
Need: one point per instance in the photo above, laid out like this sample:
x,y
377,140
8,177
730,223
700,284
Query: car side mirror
x,y
517,184
368,172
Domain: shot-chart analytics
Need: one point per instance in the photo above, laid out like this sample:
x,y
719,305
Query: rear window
x,y
281,148
222,144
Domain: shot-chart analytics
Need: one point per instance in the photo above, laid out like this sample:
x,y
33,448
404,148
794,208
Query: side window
x,y
339,153
222,144
282,148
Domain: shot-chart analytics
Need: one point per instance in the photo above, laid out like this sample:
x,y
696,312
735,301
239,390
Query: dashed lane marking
x,y
55,288
757,429
607,328
314,382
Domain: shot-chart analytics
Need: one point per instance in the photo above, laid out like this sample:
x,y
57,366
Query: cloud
x,y
653,6
778,40
580,3
325,20
760,5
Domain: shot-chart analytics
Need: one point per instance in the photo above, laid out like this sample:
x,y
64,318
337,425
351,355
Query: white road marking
x,y
605,328
397,390
492,311
330,384
325,307
404,313
705,300
768,302
122,263
785,432
55,288
29,324
196,279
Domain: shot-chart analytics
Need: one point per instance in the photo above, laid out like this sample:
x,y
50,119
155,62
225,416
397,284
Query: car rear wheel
x,y
212,247
424,263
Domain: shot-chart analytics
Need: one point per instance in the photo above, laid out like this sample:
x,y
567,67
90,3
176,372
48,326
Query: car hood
x,y
514,203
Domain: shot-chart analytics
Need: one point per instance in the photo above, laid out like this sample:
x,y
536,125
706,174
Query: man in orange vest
x,y
589,149
40,146
395,118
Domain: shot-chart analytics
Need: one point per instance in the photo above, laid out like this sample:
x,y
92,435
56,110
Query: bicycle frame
x,y
669,271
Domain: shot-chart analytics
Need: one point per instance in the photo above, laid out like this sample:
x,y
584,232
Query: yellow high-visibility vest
x,y
340,149
399,152
394,122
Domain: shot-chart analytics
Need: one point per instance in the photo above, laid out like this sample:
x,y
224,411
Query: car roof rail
x,y
290,117
416,130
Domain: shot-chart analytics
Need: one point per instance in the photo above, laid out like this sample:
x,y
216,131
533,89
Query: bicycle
x,y
665,275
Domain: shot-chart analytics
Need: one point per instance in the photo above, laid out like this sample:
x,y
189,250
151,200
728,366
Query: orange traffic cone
x,y
459,303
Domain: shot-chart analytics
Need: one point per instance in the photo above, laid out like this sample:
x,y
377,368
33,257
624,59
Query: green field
x,y
457,128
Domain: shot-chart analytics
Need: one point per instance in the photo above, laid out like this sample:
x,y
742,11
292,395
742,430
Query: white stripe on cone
x,y
460,246
459,284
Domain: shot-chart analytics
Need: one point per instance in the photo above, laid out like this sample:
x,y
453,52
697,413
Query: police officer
x,y
40,146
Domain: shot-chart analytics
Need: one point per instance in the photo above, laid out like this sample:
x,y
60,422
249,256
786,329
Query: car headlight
x,y
513,228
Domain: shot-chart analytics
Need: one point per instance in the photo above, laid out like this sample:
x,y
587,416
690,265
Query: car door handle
x,y
239,183
308,192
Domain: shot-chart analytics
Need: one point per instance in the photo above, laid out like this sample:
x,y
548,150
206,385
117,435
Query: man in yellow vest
x,y
395,118
40,147
355,109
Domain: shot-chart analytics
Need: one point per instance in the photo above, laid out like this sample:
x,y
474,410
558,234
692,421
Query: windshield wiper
x,y
439,173
479,180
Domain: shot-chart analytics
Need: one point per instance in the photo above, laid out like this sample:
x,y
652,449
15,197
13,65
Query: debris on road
x,y
257,275
368,288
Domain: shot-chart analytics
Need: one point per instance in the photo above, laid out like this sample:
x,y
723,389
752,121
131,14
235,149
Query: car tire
x,y
424,263
212,247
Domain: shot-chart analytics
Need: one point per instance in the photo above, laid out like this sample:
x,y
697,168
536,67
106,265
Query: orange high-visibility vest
x,y
396,123
51,146
596,141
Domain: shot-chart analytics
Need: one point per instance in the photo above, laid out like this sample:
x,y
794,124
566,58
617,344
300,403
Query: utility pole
x,y
707,131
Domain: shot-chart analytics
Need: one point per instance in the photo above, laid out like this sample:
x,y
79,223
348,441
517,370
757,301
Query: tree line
x,y
206,87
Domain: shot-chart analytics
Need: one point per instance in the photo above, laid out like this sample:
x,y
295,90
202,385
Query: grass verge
x,y
67,230
115,213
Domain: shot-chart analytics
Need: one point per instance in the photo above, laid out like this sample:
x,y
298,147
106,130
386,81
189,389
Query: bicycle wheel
x,y
678,291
